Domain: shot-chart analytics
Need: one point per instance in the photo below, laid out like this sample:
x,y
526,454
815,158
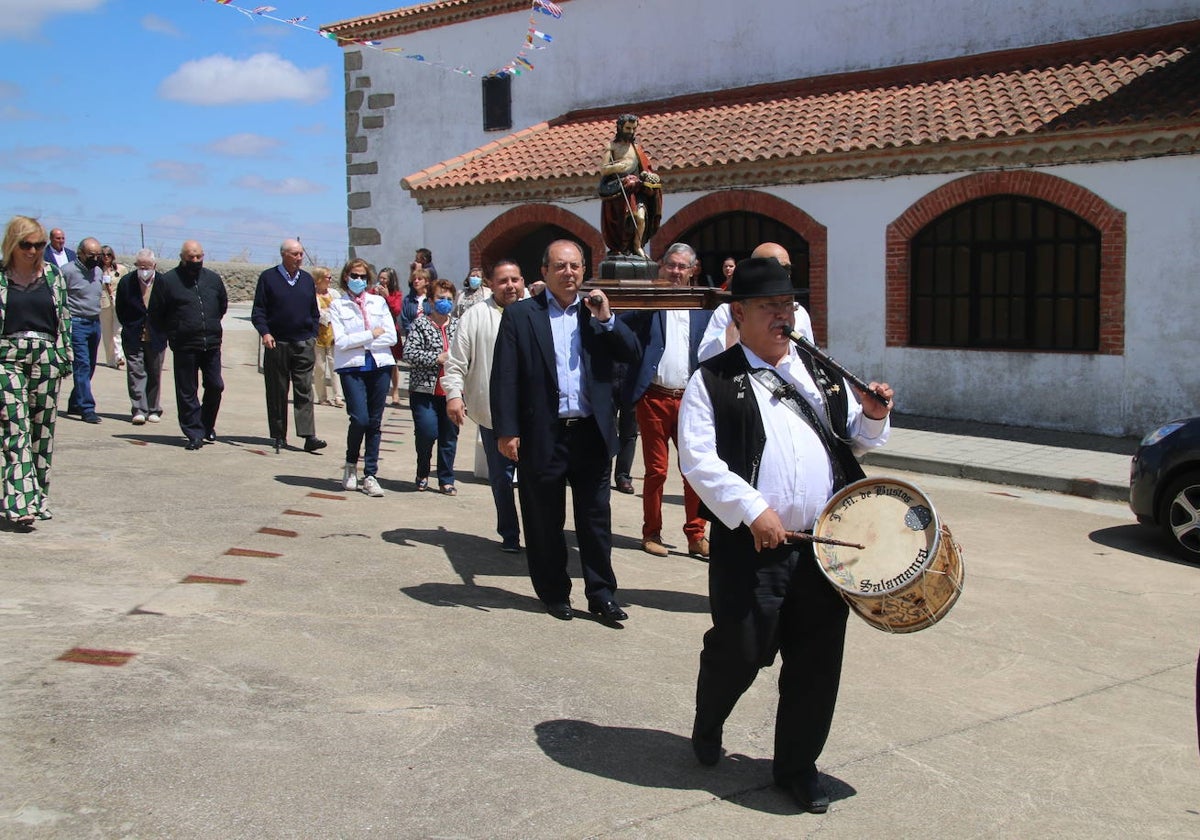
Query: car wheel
x,y
1180,515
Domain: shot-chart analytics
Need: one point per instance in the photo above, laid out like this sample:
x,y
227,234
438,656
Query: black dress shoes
x,y
210,436
193,445
608,611
279,443
312,443
707,753
809,793
561,610
625,485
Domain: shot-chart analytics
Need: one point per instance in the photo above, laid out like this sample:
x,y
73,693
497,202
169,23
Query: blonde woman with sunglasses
x,y
35,353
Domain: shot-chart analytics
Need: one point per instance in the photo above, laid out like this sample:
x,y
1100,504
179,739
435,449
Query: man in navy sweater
x,y
286,316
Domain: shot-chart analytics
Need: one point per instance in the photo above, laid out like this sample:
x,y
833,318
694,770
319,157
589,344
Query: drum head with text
x,y
896,524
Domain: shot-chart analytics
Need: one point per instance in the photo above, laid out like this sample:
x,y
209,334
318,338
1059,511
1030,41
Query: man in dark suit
x,y
670,341
144,346
552,411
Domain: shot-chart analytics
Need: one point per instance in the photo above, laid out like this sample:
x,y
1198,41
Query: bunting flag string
x,y
534,38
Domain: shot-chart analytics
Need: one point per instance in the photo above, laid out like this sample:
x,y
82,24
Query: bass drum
x,y
910,572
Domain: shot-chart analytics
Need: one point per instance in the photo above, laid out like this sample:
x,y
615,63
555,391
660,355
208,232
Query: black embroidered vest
x,y
739,432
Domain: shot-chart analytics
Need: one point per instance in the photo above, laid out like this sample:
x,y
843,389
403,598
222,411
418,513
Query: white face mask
x,y
144,274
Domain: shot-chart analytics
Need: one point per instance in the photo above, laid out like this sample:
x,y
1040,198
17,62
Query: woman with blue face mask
x,y
426,350
474,290
363,334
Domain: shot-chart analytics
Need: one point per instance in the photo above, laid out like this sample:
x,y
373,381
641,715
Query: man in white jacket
x,y
466,378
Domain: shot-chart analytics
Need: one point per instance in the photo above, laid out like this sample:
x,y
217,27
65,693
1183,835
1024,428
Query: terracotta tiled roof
x,y
1060,94
423,16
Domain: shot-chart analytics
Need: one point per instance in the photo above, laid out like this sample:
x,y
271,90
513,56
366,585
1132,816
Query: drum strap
x,y
787,394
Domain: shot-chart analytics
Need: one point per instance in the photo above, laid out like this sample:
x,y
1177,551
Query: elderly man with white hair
x,y
286,315
144,346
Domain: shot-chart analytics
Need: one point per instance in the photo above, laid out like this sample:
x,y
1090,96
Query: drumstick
x,y
794,536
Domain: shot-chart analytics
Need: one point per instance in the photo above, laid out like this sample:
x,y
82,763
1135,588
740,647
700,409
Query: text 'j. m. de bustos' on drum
x,y
903,571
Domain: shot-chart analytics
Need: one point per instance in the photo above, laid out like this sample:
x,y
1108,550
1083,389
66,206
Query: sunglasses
x,y
358,276
32,246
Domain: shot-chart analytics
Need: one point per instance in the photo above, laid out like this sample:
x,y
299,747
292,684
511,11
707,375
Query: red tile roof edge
x,y
1174,38
929,71
1111,144
413,181
422,17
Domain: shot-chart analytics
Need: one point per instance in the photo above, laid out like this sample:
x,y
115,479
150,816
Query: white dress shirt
x,y
714,334
672,370
795,476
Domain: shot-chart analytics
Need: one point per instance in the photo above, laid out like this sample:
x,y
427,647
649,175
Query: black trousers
x,y
198,417
580,459
627,434
290,362
762,604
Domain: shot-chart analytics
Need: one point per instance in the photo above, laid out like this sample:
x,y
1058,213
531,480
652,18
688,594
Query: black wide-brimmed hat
x,y
760,277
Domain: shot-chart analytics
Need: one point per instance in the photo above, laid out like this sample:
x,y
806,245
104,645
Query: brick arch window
x,y
1008,261
1006,272
762,204
507,230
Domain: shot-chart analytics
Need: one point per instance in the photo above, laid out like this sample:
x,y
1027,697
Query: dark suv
x,y
1164,484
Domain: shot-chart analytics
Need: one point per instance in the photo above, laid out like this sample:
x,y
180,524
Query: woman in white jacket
x,y
363,334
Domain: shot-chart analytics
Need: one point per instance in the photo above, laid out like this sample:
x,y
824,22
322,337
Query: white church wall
x,y
620,51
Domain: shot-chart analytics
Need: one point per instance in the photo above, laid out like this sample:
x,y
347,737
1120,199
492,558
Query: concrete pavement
x,y
290,660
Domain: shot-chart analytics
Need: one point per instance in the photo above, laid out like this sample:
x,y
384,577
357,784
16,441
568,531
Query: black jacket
x,y
131,312
189,310
524,384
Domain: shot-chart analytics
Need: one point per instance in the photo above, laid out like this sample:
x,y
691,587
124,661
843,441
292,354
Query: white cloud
x,y
112,150
159,25
244,145
11,113
38,187
178,172
22,18
284,186
24,154
265,77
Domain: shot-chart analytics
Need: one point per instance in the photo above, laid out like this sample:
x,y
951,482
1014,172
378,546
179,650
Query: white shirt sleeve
x,y
731,498
713,341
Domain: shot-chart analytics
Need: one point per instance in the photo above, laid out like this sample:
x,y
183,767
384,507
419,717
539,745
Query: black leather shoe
x,y
279,443
608,611
706,744
707,753
193,445
625,485
210,436
312,443
809,793
562,611
91,417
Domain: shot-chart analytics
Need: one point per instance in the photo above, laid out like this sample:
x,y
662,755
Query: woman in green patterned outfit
x,y
35,351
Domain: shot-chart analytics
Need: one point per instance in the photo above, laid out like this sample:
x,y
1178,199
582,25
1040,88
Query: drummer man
x,y
761,439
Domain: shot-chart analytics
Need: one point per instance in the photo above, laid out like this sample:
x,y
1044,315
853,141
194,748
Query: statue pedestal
x,y
627,267
632,283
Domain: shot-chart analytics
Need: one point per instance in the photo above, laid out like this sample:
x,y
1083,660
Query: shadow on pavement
x,y
470,555
329,484
482,598
1143,540
664,599
656,759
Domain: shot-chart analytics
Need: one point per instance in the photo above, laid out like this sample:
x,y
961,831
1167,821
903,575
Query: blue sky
x,y
181,116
